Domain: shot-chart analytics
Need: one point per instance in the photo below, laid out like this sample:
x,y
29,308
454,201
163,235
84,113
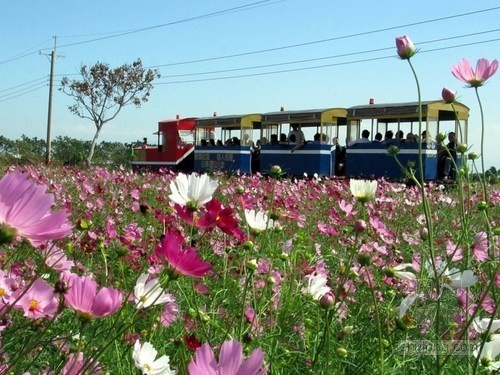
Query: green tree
x,y
104,91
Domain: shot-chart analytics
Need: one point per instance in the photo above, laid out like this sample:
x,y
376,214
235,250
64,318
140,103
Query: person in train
x,y
298,134
378,138
365,138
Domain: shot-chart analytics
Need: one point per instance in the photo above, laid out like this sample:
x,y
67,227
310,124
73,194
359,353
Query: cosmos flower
x,y
149,293
484,70
405,47
25,210
316,285
258,220
231,361
82,296
144,356
399,272
182,261
39,301
407,302
57,259
363,190
192,191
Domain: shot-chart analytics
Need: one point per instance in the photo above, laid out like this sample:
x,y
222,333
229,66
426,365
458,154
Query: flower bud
x,y
328,300
462,148
252,264
276,171
472,156
239,189
424,233
481,206
364,259
440,137
342,352
448,95
393,150
405,47
360,226
347,330
248,245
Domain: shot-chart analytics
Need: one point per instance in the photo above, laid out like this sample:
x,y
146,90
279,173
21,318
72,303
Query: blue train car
x,y
401,126
314,148
224,143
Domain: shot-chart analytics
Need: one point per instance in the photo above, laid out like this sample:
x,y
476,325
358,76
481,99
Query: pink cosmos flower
x,y
448,95
77,362
57,259
25,208
231,361
83,296
405,47
170,311
484,70
182,261
39,301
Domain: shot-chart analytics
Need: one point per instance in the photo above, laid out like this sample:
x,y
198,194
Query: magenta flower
x,y
183,261
83,297
39,301
25,210
484,70
405,47
448,95
231,361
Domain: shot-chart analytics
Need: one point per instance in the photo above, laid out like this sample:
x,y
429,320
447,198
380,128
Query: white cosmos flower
x,y
491,349
363,190
481,325
401,274
316,285
145,360
148,293
193,190
406,304
456,279
258,220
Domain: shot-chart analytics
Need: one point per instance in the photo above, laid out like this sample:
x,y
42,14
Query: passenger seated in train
x,y
365,135
389,138
274,139
211,142
203,142
298,134
219,143
378,138
340,152
445,157
283,138
411,138
400,137
316,138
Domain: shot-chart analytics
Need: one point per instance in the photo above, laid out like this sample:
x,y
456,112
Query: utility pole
x,y
49,114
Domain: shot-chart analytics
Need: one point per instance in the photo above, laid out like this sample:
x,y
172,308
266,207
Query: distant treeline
x,y
65,151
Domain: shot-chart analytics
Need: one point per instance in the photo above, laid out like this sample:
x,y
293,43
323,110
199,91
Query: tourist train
x,y
325,142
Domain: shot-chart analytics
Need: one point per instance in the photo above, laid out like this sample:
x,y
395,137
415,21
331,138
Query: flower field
x,y
156,272
106,271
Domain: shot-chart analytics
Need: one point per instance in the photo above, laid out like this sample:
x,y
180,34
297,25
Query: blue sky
x,y
299,54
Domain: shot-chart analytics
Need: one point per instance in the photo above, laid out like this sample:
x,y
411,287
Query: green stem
x,y
482,178
379,327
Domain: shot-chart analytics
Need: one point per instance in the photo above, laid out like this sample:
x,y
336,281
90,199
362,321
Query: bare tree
x,y
103,92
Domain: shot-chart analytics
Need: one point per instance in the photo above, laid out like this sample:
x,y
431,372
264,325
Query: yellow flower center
x,y
147,367
2,292
33,304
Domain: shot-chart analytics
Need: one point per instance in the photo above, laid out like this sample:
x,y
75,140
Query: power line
x,y
328,39
322,66
23,84
23,92
326,57
135,31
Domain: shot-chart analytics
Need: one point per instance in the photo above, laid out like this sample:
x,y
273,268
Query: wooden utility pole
x,y
49,114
